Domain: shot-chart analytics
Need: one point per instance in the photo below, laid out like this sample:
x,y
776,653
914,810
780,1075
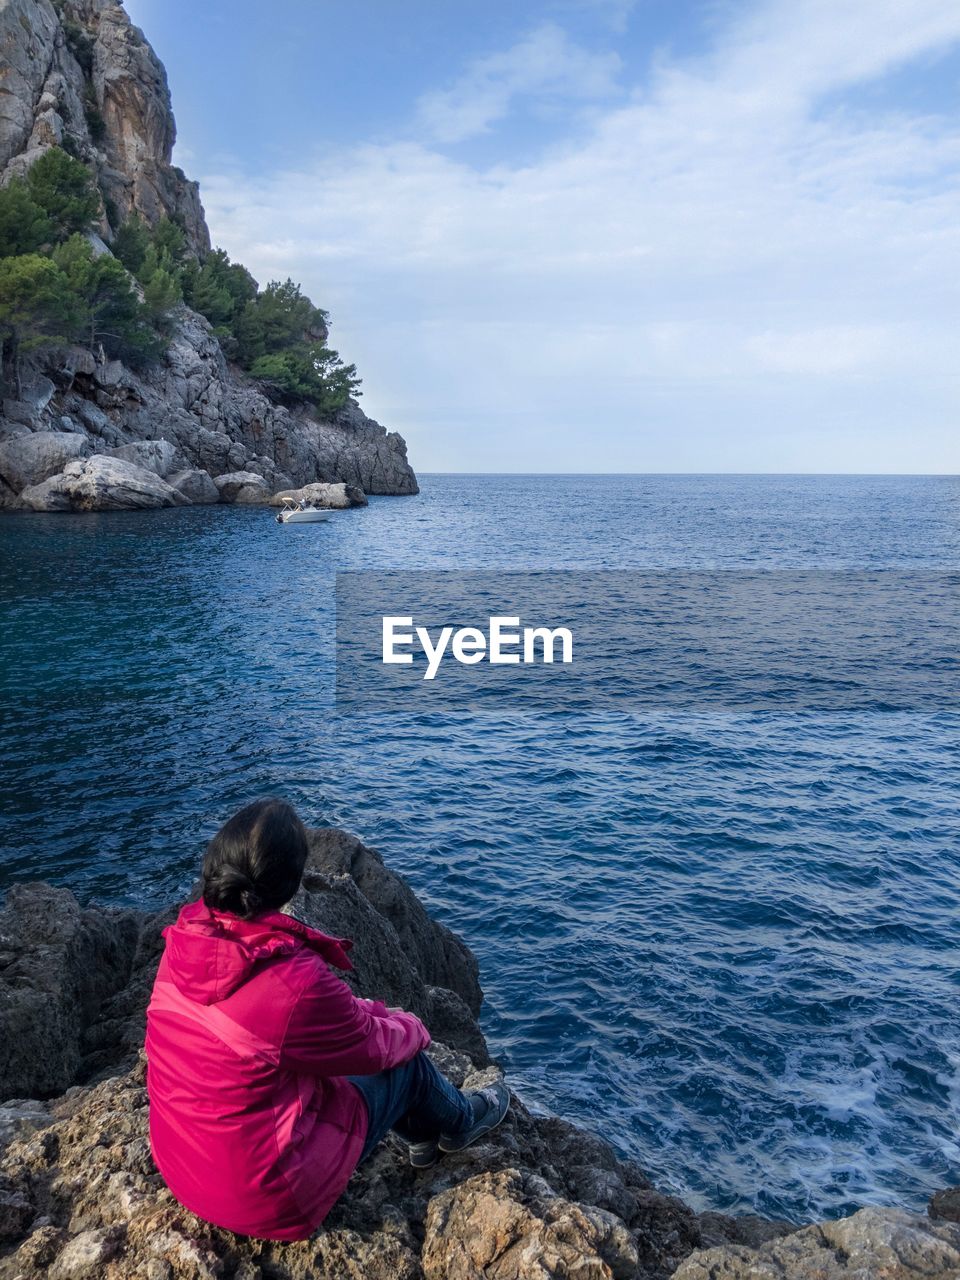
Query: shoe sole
x,y
453,1150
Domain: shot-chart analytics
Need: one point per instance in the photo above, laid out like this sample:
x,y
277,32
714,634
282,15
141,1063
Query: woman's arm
x,y
333,1033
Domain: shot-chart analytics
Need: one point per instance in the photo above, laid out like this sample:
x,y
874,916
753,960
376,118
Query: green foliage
x,y
155,259
56,288
170,243
130,243
281,339
161,293
307,373
37,308
24,227
64,190
95,121
218,289
280,317
110,313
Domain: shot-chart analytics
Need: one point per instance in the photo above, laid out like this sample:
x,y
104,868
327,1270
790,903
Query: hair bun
x,y
231,889
251,900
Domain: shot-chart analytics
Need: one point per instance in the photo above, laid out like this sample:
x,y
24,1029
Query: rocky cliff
x,y
77,73
80,1197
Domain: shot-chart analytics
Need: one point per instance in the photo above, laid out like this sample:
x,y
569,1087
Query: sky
x,y
601,235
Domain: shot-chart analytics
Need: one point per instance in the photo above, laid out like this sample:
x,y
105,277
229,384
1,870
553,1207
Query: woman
x,y
268,1079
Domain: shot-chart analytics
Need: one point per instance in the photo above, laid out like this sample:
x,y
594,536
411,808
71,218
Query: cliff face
x,y
540,1199
67,64
79,73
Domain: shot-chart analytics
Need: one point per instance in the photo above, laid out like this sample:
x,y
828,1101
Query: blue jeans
x,y
415,1100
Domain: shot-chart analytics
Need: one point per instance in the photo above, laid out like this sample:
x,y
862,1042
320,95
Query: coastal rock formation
x,y
335,497
242,487
79,73
102,483
882,1244
539,1200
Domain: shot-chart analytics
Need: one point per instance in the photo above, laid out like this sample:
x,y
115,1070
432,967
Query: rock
x,y
242,486
20,1115
513,1226
86,1255
195,485
441,958
101,483
158,456
110,374
133,97
30,459
332,496
945,1204
874,1244
16,1210
58,964
82,361
37,393
99,247
28,33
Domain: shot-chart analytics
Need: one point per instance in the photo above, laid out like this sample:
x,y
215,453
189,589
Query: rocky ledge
x,y
80,1197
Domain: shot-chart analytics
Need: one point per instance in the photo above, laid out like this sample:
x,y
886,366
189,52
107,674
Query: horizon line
x,y
863,475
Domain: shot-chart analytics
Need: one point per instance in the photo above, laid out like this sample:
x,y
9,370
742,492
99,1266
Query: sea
x,y
725,938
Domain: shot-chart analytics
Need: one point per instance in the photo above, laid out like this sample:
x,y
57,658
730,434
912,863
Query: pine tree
x,y
24,227
64,190
112,315
38,308
131,242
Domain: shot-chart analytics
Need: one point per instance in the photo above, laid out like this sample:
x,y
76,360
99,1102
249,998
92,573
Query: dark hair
x,y
255,861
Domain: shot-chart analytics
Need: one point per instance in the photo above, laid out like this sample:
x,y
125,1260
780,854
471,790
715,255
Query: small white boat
x,y
301,513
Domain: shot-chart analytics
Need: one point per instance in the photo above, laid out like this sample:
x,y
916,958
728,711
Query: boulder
x,y
874,1244
158,456
110,374
195,485
102,483
59,964
945,1204
38,392
29,459
513,1226
242,487
333,496
439,955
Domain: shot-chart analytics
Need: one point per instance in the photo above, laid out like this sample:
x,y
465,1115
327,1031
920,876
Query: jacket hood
x,y
212,953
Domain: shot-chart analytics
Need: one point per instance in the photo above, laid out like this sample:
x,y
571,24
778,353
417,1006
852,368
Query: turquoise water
x,y
727,941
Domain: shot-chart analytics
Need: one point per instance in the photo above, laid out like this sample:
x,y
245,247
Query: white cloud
x,y
546,66
720,252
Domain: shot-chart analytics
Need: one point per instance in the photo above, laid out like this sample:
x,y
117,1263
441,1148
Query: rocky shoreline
x,y
80,1197
98,437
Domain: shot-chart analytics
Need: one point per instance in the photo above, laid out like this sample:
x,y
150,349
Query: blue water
x,y
727,941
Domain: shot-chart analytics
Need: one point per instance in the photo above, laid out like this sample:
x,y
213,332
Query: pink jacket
x,y
249,1037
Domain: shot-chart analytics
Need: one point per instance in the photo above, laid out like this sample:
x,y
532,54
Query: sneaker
x,y
424,1154
490,1106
